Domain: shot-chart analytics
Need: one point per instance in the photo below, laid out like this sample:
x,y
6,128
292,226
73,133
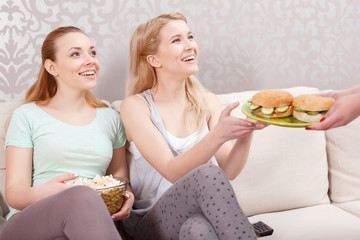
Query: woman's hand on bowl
x,y
125,209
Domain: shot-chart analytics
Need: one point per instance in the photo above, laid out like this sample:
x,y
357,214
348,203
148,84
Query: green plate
x,y
284,122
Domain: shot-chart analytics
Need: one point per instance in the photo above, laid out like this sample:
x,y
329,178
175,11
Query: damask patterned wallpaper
x,y
244,45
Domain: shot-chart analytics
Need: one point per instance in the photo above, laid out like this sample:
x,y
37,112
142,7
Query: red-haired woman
x,y
61,132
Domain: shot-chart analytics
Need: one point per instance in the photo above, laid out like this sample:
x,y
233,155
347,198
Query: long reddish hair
x,y
45,86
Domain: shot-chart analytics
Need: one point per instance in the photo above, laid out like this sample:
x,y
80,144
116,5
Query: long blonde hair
x,y
145,41
45,86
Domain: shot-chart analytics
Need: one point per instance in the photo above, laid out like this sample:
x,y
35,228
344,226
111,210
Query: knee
x,y
78,195
81,191
209,172
210,178
196,227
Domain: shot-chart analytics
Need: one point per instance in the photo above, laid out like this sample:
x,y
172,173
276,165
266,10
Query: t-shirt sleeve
x,y
19,131
120,138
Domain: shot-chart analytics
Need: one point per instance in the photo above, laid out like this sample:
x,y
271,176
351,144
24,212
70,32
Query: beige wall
x,y
244,45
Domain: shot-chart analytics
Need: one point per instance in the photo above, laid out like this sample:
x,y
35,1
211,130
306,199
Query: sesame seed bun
x,y
272,98
312,103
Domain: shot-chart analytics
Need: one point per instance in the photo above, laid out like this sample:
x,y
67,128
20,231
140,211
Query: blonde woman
x,y
62,132
180,154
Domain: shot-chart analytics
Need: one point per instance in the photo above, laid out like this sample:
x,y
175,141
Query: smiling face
x,y
75,65
177,51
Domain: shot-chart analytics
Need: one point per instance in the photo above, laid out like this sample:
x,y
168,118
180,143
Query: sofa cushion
x,y
352,207
116,105
291,171
321,222
290,165
4,209
344,162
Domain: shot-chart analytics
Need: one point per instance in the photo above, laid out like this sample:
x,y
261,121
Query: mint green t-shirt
x,y
60,148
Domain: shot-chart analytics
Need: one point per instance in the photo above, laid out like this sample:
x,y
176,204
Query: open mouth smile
x,y
187,59
87,73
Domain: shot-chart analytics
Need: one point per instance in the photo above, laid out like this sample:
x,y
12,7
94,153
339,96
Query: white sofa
x,y
304,184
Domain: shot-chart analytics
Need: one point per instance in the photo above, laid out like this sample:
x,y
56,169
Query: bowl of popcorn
x,y
110,188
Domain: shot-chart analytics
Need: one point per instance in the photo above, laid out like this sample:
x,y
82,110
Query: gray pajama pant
x,y
75,213
201,205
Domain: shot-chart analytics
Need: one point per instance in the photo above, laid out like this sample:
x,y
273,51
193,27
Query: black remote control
x,y
261,229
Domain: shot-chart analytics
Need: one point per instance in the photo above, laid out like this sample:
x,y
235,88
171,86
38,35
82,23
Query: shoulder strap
x,y
156,118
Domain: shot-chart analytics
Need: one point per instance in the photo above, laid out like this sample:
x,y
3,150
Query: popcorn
x,y
110,189
98,182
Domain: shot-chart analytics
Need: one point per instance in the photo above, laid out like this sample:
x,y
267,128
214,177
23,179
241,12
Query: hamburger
x,y
272,103
311,108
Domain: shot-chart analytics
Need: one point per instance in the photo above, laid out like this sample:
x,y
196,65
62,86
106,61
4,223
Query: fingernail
x,y
113,217
307,128
127,195
76,174
322,119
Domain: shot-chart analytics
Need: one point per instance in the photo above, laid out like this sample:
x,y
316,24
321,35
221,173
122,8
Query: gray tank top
x,y
147,183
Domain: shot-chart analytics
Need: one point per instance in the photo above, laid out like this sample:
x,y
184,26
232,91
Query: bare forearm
x,y
21,197
356,106
354,90
237,158
194,157
228,158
